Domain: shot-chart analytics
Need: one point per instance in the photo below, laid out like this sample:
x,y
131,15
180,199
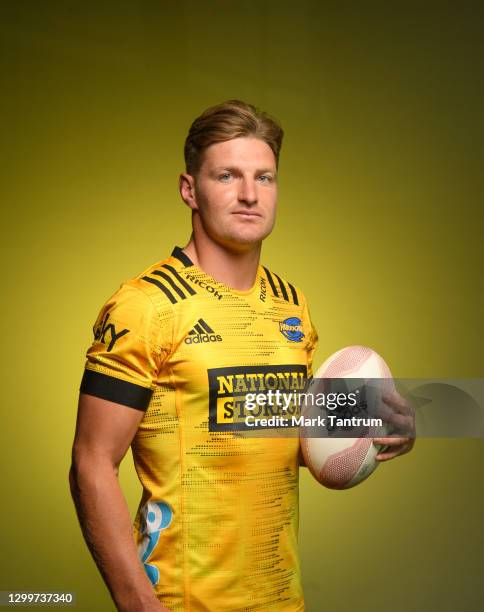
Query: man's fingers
x,y
385,456
400,415
401,422
397,403
391,441
394,447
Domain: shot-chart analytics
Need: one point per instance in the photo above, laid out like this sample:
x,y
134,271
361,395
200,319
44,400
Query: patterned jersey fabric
x,y
217,523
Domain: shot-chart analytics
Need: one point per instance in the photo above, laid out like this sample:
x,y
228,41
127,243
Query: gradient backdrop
x,y
380,222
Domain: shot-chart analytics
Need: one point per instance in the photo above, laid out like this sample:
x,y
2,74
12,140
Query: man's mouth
x,y
247,213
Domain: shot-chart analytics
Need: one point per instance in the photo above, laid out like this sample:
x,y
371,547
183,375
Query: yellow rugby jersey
x,y
217,522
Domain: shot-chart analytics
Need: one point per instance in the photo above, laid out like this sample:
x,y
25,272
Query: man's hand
x,y
401,416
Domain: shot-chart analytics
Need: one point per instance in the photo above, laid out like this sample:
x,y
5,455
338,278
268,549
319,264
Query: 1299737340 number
x,y
39,598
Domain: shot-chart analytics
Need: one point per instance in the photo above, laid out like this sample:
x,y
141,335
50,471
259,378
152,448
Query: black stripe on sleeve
x,y
294,294
165,290
190,290
198,328
271,281
115,390
283,288
171,281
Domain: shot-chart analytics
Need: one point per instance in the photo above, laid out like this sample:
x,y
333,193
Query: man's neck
x,y
232,268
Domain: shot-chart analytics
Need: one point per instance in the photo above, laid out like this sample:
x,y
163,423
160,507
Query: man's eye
x,y
265,178
225,176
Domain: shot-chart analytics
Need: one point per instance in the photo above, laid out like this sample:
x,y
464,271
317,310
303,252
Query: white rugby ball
x,y
341,463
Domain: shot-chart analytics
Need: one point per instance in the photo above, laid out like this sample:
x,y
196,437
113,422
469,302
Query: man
x,y
175,350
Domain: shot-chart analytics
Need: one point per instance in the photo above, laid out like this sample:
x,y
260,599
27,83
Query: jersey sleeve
x,y
312,337
128,350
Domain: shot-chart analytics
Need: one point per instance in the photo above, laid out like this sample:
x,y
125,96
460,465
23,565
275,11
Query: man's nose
x,y
248,191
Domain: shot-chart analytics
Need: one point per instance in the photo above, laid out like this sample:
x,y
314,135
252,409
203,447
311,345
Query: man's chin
x,y
242,243
249,239
241,239
250,235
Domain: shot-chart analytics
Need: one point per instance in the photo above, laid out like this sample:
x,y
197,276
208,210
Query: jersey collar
x,y
181,256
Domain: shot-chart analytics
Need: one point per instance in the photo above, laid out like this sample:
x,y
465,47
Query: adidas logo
x,y
202,332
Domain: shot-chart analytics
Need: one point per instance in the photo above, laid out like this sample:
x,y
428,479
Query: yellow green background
x,y
380,223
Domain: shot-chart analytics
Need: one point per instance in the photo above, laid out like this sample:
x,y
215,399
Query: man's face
x,y
235,193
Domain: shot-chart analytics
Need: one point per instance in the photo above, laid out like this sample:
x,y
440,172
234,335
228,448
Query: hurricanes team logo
x,y
201,332
291,329
155,517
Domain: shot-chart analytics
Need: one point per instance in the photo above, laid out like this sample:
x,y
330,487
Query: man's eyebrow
x,y
235,169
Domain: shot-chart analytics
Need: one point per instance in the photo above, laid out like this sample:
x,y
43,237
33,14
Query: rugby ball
x,y
337,462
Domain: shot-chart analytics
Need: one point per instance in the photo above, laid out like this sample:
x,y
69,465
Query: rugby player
x,y
174,351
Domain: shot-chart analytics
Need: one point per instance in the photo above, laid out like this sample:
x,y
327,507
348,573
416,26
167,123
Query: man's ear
x,y
186,186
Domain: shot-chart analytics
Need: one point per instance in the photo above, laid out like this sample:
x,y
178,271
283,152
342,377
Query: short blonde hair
x,y
222,122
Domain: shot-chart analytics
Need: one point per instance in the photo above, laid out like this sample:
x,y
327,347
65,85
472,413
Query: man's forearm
x,y
106,525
